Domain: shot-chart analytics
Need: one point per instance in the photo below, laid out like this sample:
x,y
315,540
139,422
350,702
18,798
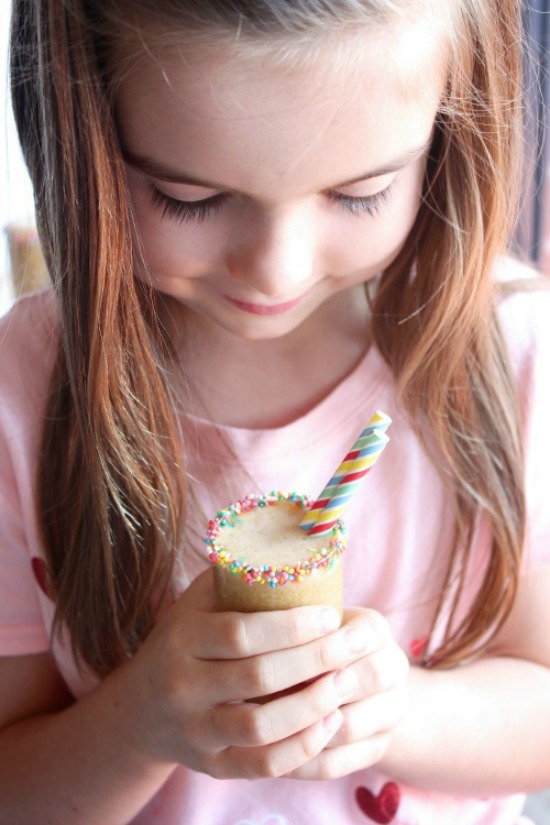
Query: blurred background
x,y
22,267
16,203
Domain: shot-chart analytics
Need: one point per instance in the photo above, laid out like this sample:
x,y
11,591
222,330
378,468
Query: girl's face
x,y
263,191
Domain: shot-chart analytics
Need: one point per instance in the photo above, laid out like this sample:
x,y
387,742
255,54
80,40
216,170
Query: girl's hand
x,y
374,708
188,685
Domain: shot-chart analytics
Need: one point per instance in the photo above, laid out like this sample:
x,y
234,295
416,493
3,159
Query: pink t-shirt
x,y
400,525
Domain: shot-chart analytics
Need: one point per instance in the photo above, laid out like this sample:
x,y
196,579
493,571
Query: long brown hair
x,y
438,328
111,486
110,477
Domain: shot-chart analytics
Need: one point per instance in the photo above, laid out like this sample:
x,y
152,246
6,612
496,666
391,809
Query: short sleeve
x,y
526,321
22,628
26,349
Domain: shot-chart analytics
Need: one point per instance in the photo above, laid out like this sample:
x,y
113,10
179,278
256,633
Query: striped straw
x,y
379,421
329,506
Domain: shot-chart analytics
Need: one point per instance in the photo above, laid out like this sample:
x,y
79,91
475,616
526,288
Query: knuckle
x,y
268,766
236,636
260,676
215,769
327,766
254,727
327,770
345,731
378,678
379,625
309,745
326,658
323,702
293,627
388,668
270,763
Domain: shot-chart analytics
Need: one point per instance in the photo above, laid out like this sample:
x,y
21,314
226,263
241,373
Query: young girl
x,y
263,220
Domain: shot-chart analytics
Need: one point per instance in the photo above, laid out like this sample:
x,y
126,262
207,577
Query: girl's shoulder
x,y
28,346
524,315
32,315
524,306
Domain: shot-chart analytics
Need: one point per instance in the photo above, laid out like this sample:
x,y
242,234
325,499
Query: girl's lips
x,y
264,309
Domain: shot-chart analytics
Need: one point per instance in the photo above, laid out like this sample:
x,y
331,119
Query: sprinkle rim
x,y
272,575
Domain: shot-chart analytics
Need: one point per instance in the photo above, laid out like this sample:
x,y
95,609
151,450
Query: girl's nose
x,y
275,253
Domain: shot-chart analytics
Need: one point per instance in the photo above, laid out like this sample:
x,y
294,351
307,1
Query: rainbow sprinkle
x,y
271,575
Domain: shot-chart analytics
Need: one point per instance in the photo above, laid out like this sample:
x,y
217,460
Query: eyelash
x,y
370,204
186,211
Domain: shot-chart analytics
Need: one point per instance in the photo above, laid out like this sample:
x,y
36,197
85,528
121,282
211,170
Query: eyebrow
x,y
162,171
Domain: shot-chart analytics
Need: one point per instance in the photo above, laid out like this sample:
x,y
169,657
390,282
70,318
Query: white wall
x,y
15,190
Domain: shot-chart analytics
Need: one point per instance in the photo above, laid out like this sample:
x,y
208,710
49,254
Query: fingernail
x,y
333,721
356,640
344,683
329,619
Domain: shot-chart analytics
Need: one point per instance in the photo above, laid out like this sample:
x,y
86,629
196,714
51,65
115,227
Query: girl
x,y
263,220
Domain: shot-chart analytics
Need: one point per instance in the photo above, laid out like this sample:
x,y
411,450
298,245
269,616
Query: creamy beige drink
x,y
264,560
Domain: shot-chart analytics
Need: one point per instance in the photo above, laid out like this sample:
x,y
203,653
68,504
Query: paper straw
x,y
327,509
379,421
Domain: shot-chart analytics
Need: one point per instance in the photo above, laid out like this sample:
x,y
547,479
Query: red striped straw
x,y
359,460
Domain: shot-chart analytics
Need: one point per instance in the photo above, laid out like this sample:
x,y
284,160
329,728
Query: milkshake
x,y
264,560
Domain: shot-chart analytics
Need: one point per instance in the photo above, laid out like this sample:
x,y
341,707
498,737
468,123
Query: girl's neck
x,y
261,384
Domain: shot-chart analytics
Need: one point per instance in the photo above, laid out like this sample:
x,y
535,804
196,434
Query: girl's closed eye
x,y
200,209
362,204
187,210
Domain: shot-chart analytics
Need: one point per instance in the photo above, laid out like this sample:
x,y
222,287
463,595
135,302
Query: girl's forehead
x,y
408,59
374,100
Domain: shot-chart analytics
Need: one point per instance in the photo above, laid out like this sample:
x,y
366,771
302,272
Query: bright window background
x,y
16,204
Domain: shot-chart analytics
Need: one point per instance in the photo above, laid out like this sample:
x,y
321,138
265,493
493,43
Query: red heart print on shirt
x,y
42,576
381,808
